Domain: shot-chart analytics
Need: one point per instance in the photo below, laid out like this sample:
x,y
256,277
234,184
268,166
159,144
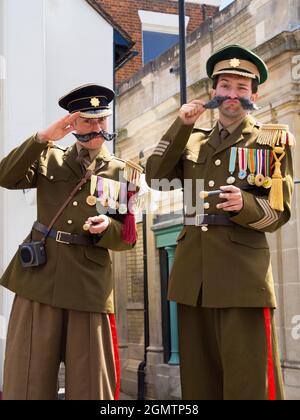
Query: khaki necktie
x,y
84,158
224,133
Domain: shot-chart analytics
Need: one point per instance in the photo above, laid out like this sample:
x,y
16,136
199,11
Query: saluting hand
x,y
98,224
189,113
234,199
59,129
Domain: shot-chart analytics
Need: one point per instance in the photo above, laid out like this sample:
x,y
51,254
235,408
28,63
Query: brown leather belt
x,y
65,237
207,220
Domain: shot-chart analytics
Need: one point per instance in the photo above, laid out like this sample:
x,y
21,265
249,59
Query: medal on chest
x,y
232,163
103,193
268,160
259,179
252,166
123,198
243,163
114,190
91,200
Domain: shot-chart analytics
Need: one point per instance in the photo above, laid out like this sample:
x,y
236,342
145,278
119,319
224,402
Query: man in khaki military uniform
x,y
221,277
63,309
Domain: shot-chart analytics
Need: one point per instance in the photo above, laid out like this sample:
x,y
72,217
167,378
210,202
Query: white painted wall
x,y
79,50
49,47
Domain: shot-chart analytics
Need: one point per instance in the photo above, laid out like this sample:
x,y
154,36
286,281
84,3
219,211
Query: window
x,y
156,43
160,32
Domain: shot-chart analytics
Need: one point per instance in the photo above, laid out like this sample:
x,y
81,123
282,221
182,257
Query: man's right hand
x,y
189,113
59,129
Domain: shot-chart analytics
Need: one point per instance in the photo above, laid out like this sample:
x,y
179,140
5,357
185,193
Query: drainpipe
x,y
142,366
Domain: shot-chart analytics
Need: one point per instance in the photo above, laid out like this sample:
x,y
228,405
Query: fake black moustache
x,y
218,100
85,138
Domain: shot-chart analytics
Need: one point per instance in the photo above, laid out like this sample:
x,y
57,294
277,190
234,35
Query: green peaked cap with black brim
x,y
236,59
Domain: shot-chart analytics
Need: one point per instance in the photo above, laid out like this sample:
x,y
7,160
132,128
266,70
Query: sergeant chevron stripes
x,y
269,218
161,147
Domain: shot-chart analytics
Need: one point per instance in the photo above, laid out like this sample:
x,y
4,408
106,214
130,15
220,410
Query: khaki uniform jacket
x,y
229,264
74,277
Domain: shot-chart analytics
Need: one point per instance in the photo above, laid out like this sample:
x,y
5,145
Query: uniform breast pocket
x,y
53,184
194,169
194,163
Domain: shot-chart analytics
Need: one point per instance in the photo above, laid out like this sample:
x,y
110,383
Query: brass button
x,y
75,204
204,228
211,184
70,222
218,162
206,206
51,177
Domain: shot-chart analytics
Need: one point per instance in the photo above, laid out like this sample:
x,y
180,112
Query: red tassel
x,y
129,227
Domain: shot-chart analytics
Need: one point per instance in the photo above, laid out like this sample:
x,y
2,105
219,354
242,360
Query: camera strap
x,y
84,180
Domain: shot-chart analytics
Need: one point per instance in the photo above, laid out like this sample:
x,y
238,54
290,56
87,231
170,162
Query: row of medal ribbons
x,y
255,165
107,193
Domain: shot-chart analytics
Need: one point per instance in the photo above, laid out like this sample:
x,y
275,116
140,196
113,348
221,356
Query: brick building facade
x,y
125,13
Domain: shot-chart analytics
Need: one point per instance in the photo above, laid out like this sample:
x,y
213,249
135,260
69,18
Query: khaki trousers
x,y
229,354
40,337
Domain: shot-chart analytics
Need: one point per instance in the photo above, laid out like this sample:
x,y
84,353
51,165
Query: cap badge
x,y
95,102
235,62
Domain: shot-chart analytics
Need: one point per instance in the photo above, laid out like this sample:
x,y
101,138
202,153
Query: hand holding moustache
x,y
189,113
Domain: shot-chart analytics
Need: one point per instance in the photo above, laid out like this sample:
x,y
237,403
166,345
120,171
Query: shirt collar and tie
x,y
227,131
85,157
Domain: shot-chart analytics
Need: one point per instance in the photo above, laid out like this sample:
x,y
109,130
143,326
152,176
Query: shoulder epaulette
x,y
275,135
132,171
202,130
53,145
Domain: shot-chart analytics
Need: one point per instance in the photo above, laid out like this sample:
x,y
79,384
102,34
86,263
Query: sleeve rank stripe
x,y
160,150
162,146
269,218
164,142
272,213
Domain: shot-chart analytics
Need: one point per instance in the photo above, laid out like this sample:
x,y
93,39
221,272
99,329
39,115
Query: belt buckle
x,y
58,237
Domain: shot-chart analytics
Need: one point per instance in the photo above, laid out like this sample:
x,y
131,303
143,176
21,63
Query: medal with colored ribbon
x,y
232,163
243,163
267,161
105,194
101,201
252,166
123,198
91,200
114,190
259,179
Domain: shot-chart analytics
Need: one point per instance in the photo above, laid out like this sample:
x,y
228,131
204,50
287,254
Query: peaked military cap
x,y
91,100
236,59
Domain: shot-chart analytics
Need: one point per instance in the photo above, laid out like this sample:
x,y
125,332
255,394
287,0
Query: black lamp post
x,y
182,51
